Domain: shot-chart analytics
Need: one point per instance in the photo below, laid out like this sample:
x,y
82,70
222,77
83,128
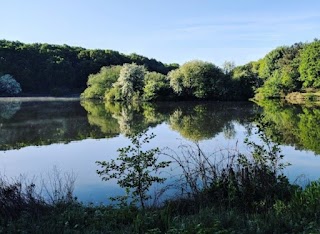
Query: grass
x,y
299,213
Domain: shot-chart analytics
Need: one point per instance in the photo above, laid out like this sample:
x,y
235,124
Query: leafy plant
x,y
134,169
260,176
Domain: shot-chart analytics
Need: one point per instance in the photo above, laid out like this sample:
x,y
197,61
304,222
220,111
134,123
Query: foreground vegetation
x,y
226,193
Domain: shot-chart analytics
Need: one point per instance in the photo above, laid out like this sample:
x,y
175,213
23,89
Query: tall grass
x,y
230,179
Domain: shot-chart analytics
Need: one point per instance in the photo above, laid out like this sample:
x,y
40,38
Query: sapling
x,y
135,169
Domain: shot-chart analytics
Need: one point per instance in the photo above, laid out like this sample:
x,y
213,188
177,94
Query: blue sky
x,y
170,31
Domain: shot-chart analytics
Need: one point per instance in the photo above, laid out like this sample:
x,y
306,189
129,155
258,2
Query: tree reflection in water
x,y
47,122
9,108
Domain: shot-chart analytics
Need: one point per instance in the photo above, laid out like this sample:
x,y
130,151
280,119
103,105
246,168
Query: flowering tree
x,y
131,80
9,86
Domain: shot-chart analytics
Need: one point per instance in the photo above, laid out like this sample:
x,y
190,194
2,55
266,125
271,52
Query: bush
x,y
9,86
156,87
99,84
135,170
131,81
198,79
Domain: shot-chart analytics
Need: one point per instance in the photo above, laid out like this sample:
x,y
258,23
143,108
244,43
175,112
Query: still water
x,y
37,135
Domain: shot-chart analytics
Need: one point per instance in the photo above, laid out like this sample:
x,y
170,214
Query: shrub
x,y
130,81
134,169
9,86
99,84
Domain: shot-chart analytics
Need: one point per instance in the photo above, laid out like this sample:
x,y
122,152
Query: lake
x,y
39,134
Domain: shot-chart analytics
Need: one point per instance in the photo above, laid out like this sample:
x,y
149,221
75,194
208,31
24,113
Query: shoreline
x,y
300,98
39,98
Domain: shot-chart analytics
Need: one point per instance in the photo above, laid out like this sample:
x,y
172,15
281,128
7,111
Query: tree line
x,y
62,69
106,74
284,70
194,80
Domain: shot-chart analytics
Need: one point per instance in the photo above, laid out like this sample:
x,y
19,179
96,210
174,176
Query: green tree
x,y
101,83
289,68
135,169
272,88
198,79
176,78
245,81
310,65
279,69
9,86
156,87
270,62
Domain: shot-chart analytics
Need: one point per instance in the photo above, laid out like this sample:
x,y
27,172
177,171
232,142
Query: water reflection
x,y
44,123
9,108
47,122
194,121
204,121
126,119
100,117
214,124
293,125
